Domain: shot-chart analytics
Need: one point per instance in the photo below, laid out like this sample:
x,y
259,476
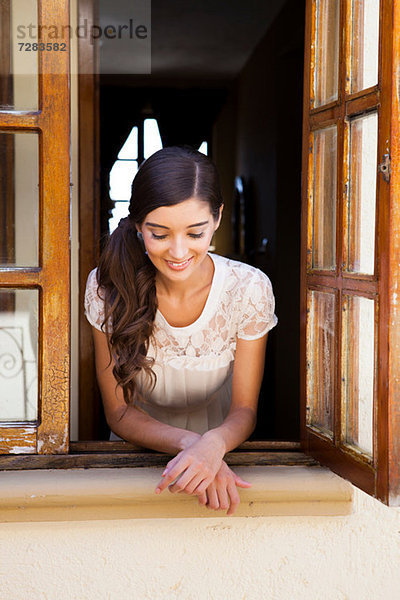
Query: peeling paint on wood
x,y
17,440
54,430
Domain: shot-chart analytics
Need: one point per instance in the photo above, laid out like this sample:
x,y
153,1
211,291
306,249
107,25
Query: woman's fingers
x,y
170,464
233,497
191,487
183,474
221,493
199,459
171,472
212,496
241,482
185,484
223,497
202,487
226,482
203,499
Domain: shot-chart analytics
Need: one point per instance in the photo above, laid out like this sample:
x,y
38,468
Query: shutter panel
x,y
350,319
35,260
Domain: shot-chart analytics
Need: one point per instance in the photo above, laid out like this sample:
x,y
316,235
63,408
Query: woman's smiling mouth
x,y
179,266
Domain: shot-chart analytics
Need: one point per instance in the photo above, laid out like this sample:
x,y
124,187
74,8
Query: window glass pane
x,y
18,62
364,44
19,187
358,360
321,327
324,199
151,137
204,148
326,67
129,150
18,355
121,177
360,235
120,211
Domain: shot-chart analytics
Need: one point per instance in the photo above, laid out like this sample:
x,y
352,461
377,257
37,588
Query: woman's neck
x,y
182,290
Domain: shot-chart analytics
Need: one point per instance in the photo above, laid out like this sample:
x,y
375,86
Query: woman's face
x,y
177,237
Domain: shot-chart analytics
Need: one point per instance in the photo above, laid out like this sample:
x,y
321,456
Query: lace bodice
x,y
240,303
194,364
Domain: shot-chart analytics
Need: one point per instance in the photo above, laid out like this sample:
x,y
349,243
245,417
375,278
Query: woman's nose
x,y
178,249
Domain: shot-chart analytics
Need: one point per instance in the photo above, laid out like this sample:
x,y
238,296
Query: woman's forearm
x,y
246,383
236,428
137,427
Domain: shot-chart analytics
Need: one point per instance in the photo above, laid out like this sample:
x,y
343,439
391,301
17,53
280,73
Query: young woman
x,y
179,333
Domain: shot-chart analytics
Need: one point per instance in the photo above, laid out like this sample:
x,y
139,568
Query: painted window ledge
x,y
85,494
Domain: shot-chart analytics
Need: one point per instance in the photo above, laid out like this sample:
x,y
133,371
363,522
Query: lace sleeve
x,y
94,304
257,308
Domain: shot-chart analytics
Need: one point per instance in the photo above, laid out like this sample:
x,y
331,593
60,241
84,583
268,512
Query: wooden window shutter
x,y
350,264
42,120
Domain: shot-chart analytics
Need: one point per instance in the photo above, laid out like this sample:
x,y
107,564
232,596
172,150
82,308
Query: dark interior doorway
x,y
231,74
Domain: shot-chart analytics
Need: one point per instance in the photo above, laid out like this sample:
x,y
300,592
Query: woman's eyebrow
x,y
164,227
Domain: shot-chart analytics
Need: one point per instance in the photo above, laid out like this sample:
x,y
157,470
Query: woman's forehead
x,y
189,211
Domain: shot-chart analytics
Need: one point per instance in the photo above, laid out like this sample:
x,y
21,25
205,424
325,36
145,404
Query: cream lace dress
x,y
194,364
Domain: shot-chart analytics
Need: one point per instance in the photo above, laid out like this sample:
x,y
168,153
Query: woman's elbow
x,y
247,415
252,421
115,416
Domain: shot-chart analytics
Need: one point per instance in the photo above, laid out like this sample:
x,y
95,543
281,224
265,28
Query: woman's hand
x,y
195,468
222,492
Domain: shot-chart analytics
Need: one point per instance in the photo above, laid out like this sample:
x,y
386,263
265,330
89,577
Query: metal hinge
x,y
385,167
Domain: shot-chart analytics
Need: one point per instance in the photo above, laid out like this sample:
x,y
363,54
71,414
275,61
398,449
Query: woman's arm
x,y
198,465
128,422
137,427
248,371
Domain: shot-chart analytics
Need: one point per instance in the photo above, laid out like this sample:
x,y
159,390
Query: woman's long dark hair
x,y
127,276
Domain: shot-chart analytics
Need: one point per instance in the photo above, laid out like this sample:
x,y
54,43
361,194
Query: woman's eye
x,y
192,235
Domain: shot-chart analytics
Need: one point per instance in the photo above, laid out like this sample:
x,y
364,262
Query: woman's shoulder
x,y
241,275
92,277
248,299
94,300
93,290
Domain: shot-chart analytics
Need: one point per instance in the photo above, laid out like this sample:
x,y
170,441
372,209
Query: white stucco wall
x,y
352,557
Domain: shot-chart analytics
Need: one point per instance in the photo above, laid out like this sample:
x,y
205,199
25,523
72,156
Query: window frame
x,y
381,478
51,121
108,454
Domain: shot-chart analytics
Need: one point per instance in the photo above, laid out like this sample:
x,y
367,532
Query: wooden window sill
x,y
128,493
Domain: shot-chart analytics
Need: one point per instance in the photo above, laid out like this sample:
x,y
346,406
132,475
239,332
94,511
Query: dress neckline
x,y
215,288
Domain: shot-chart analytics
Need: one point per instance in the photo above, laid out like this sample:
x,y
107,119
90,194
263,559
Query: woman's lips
x,y
179,266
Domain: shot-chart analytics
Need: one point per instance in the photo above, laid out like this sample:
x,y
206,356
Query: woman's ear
x,y
221,208
138,228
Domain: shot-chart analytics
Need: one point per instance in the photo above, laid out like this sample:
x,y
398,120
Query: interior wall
x,y
266,129
223,152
